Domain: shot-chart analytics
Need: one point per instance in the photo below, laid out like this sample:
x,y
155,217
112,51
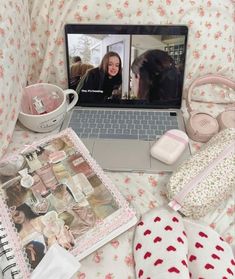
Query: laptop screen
x,y
126,65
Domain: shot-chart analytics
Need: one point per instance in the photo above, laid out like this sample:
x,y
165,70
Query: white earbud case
x,y
170,146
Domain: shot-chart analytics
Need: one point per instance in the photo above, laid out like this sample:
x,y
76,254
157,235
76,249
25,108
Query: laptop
x,y
131,92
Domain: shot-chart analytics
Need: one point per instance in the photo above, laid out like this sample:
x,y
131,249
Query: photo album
x,y
53,191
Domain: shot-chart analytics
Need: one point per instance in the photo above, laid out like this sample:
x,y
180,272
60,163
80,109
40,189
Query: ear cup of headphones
x,y
201,126
226,119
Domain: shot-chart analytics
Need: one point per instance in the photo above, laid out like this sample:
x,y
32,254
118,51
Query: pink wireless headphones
x,y
202,126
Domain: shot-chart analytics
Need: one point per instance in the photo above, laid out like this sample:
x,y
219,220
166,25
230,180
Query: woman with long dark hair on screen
x,y
155,78
100,84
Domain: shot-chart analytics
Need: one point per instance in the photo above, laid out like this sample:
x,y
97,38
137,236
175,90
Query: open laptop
x,y
148,67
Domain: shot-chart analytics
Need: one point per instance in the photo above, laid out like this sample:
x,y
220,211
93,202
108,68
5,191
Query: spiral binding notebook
x,y
53,191
9,267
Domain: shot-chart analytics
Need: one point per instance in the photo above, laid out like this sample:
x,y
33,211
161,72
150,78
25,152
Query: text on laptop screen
x,y
126,65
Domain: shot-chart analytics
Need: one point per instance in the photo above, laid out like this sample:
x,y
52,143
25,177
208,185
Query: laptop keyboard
x,y
122,124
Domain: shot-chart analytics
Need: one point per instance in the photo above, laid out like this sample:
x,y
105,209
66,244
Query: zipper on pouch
x,y
176,203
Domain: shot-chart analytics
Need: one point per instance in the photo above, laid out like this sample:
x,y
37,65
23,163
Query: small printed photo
x,y
15,194
10,167
102,202
35,251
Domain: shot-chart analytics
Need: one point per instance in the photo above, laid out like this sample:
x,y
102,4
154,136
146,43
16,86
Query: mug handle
x,y
75,99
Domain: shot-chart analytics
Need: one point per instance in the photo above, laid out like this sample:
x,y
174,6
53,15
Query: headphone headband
x,y
215,79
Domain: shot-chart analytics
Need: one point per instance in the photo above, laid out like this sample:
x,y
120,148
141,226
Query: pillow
x,y
14,42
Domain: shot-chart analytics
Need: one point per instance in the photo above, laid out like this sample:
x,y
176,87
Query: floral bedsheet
x,y
32,41
144,191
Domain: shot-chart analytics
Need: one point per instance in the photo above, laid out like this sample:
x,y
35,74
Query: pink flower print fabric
x,y
210,50
168,246
14,51
210,42
34,50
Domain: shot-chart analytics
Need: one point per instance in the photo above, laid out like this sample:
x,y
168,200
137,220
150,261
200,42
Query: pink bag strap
x,y
177,201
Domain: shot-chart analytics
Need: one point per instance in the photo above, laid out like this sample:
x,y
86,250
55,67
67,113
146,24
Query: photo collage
x,y
53,195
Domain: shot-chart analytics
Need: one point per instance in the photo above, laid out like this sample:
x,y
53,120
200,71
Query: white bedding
x,y
33,49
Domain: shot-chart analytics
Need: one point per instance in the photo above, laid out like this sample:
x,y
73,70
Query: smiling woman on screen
x,y
99,84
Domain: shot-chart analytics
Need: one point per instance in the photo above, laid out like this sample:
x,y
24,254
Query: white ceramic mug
x,y
50,120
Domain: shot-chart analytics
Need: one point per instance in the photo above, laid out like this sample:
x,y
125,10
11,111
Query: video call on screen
x,y
152,66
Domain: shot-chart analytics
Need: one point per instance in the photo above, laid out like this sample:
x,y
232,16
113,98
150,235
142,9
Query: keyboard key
x,y
126,131
143,137
117,136
133,132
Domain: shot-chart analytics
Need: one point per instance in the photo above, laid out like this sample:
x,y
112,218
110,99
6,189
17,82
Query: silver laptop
x,y
130,81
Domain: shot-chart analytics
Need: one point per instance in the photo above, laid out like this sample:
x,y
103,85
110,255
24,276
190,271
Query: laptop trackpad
x,y
126,155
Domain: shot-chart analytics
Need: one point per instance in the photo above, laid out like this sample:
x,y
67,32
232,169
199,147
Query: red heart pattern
x,y
184,263
209,266
147,255
174,219
147,232
171,248
179,239
229,271
192,258
216,257
173,269
168,228
141,223
141,272
202,234
157,219
219,248
198,245
157,239
158,261
174,244
138,246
